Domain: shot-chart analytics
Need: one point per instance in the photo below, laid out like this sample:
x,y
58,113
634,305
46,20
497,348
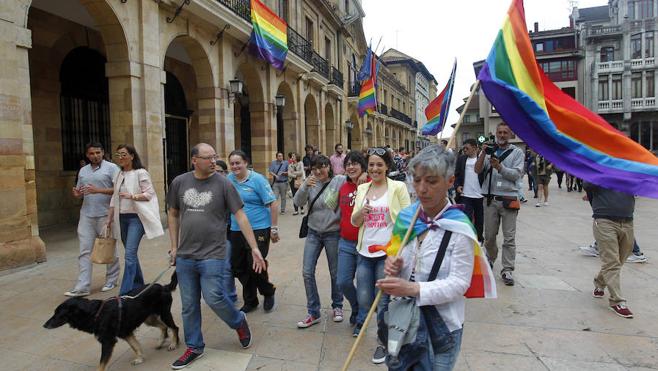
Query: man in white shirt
x,y
467,185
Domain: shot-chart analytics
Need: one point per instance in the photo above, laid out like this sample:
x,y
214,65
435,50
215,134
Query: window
x,y
327,49
636,46
571,91
560,70
640,9
616,87
648,45
636,85
347,6
283,9
651,83
309,30
539,47
607,54
603,88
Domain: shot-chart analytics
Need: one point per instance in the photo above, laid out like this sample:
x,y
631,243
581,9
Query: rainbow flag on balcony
x,y
437,111
269,37
575,139
368,95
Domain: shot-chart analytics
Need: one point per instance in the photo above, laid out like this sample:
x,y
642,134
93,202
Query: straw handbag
x,y
104,248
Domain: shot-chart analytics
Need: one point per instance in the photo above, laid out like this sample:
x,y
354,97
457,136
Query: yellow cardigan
x,y
398,199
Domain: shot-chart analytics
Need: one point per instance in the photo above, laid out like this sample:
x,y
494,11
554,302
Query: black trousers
x,y
474,208
242,266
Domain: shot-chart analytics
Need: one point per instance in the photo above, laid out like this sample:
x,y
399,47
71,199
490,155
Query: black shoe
x,y
188,357
508,280
248,308
353,316
244,334
268,303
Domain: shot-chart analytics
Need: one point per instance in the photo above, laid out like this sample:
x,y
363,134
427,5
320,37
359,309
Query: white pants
x,y
88,229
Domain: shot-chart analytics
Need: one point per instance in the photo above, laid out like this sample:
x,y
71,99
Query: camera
x,y
492,146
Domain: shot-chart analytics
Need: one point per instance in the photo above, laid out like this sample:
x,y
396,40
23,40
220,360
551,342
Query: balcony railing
x,y
611,105
603,31
299,45
400,116
240,7
354,89
643,102
383,108
336,77
320,64
610,66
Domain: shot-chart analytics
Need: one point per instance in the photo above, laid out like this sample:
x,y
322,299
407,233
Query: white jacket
x,y
148,211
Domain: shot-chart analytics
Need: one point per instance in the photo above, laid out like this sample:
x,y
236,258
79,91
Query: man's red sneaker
x,y
598,293
622,310
244,334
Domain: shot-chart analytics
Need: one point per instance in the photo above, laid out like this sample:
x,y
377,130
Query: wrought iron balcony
x,y
240,7
383,108
299,45
320,65
336,77
400,116
354,89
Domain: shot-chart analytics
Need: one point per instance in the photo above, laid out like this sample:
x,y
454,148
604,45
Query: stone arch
x,y
286,121
311,121
330,128
252,118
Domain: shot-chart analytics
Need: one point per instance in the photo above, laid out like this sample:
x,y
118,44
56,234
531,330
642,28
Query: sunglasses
x,y
376,151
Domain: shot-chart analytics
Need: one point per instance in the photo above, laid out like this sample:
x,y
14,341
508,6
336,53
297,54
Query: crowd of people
x,y
222,217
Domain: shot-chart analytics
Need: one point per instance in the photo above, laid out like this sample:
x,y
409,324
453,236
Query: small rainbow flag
x,y
483,283
367,100
437,111
573,138
269,37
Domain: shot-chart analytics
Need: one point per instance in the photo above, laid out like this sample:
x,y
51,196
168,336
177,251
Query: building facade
x,y
618,42
161,75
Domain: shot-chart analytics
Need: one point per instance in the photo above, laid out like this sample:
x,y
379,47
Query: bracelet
x,y
133,197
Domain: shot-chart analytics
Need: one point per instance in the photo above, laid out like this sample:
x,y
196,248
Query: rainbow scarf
x,y
555,125
269,37
483,283
437,111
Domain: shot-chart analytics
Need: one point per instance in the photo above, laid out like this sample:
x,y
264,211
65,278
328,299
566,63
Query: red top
x,y
346,197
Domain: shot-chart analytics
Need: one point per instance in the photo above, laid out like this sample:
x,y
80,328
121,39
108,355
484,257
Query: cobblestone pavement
x,y
548,321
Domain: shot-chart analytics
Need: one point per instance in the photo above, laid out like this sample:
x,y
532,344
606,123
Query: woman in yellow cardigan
x,y
376,207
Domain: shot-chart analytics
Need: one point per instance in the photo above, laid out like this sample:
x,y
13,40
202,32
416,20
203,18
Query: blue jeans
x,y
132,232
197,277
229,280
315,241
347,258
368,271
446,361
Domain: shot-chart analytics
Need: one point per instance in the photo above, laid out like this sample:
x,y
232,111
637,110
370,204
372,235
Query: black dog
x,y
118,318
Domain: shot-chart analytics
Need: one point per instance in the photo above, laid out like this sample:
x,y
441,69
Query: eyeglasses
x,y
349,164
221,171
121,155
213,157
376,151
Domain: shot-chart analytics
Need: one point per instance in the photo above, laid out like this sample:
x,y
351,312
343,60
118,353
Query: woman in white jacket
x,y
134,207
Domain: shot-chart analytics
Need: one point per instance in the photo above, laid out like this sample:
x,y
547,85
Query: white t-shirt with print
x,y
377,227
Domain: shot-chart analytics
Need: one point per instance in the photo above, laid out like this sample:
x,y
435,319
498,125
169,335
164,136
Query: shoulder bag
x,y
303,228
104,248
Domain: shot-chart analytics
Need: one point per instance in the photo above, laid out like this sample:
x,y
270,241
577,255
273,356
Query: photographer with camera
x,y
502,164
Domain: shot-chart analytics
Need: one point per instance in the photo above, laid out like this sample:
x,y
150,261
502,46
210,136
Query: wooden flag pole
x,y
355,346
476,86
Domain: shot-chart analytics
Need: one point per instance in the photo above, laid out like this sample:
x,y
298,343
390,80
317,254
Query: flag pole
x,y
453,137
357,342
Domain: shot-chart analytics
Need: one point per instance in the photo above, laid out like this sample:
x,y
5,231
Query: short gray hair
x,y
434,159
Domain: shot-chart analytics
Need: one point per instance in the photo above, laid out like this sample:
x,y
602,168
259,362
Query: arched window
x,y
84,104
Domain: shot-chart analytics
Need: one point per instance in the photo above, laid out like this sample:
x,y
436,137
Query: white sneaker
x,y
538,204
589,250
636,258
338,315
76,293
108,287
546,203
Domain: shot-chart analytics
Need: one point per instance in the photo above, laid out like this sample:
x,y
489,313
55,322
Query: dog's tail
x,y
172,285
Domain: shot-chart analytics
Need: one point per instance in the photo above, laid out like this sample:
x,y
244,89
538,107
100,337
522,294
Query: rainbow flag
x,y
437,111
367,100
269,37
575,139
483,283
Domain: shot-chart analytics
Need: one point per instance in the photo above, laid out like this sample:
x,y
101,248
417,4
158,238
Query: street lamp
x,y
349,124
235,86
280,101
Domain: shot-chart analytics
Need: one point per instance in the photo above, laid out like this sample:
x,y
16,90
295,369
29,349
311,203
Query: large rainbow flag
x,y
575,139
269,37
368,95
483,283
437,111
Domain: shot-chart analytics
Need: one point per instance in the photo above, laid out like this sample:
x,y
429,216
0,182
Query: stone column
x,y
20,243
263,135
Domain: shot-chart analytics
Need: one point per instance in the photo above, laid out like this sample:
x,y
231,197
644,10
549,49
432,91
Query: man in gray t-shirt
x,y
95,186
197,203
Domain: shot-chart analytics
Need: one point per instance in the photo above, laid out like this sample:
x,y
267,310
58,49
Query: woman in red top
x,y
354,165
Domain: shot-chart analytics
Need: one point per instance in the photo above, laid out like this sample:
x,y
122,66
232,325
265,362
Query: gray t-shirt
x,y
97,205
203,206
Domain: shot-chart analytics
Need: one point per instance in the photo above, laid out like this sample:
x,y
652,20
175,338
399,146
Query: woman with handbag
x,y
436,266
320,191
296,178
260,206
376,208
134,208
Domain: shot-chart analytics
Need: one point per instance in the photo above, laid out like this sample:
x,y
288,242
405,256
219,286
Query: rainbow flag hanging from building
x,y
575,139
483,283
269,37
368,94
437,111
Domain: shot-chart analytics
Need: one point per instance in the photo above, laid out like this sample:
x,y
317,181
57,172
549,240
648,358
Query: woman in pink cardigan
x,y
134,207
